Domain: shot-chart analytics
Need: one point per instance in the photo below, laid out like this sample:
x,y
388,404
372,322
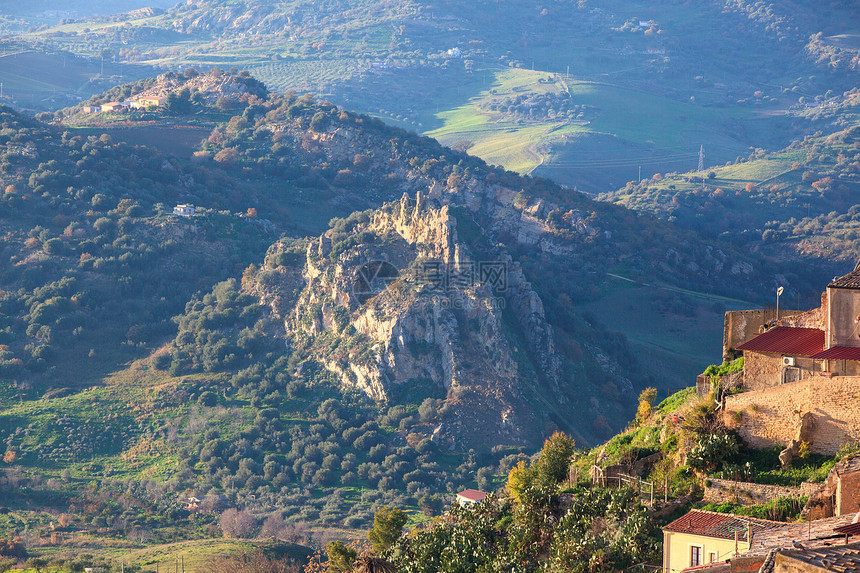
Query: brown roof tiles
x,y
721,525
851,280
843,558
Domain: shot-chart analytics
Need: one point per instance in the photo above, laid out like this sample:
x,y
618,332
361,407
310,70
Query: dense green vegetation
x,y
141,367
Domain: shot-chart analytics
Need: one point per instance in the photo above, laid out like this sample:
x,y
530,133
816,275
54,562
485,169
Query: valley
x,y
281,276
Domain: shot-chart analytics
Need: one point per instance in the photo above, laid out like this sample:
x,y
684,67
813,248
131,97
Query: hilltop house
x,y
801,373
147,101
112,106
470,496
823,340
703,537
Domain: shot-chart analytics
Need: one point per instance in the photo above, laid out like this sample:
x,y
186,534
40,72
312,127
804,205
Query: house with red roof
x,y
801,374
822,340
705,537
470,496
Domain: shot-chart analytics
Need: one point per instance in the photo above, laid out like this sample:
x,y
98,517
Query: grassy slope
x,y
657,131
673,332
498,138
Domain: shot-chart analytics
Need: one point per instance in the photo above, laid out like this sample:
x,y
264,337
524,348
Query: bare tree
x,y
237,524
274,526
296,533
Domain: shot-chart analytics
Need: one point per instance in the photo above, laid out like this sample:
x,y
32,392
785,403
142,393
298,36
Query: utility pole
x,y
701,168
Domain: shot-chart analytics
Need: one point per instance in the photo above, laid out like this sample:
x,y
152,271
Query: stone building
x,y
801,373
840,493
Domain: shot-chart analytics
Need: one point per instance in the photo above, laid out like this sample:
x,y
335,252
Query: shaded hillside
x,y
39,79
797,202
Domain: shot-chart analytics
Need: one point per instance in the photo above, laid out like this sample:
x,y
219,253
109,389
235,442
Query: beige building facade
x,y
704,537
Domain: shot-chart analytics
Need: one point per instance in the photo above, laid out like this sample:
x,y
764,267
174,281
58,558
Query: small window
x,y
695,555
712,557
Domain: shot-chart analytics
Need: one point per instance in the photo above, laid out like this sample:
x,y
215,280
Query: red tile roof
x,y
721,525
787,340
472,495
839,353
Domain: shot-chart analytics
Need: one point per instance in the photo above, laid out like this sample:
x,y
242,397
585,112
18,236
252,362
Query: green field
x,y
515,144
627,129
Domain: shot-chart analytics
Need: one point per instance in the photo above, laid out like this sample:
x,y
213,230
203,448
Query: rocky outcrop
x,y
805,426
392,303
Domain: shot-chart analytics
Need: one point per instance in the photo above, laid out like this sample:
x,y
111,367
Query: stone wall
x,y
766,370
761,370
740,326
770,417
745,493
848,493
842,326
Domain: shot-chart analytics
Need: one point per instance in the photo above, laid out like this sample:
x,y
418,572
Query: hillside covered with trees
x,y
150,358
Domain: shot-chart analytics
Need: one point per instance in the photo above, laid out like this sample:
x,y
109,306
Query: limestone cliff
x,y
393,304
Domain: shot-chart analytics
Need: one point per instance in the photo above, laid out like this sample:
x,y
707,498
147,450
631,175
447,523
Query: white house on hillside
x,y
183,210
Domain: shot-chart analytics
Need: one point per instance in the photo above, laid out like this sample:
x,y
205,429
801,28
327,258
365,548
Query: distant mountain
x,y
51,11
646,87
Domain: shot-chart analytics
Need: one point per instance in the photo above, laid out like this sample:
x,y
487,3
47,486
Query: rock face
x,y
457,318
804,435
392,304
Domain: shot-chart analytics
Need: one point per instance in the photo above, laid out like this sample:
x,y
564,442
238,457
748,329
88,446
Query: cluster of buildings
x,y
800,385
144,102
